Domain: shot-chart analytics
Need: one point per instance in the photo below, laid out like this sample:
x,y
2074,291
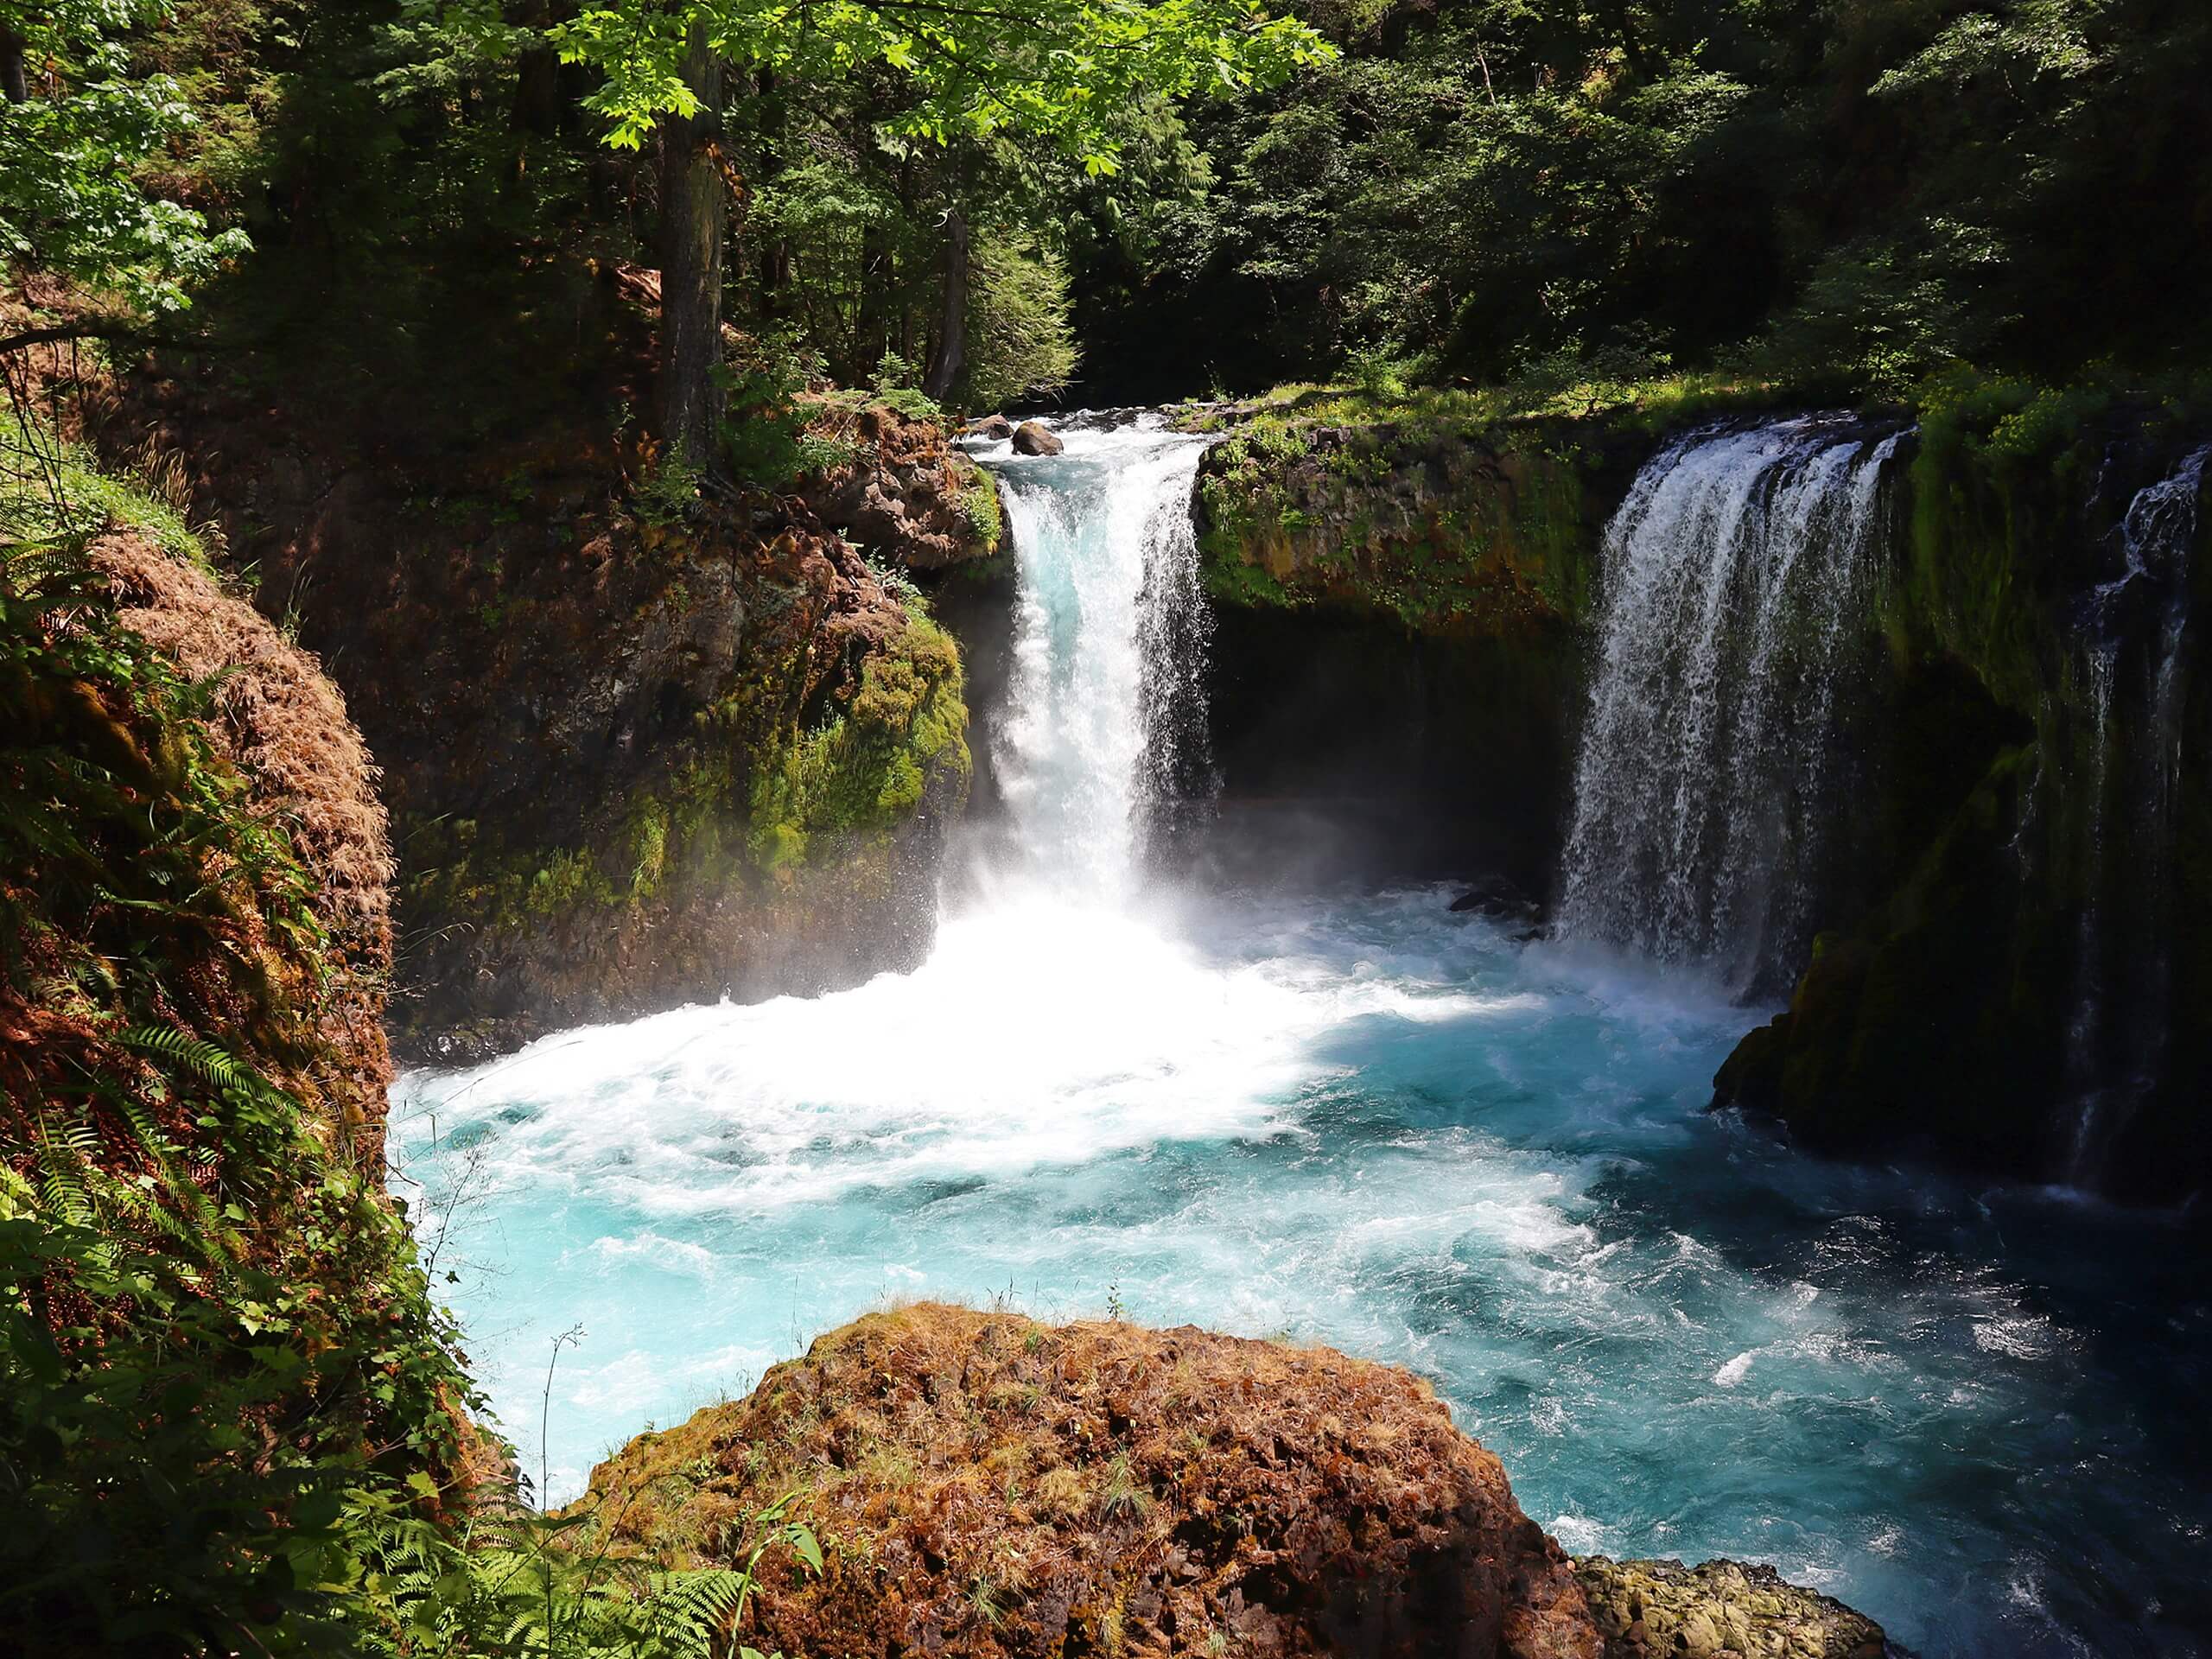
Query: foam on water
x,y
1360,1120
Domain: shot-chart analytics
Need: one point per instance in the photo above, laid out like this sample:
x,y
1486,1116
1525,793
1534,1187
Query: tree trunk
x,y
694,218
775,253
952,335
872,332
13,87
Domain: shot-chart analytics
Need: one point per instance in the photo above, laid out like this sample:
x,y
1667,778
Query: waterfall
x,y
1739,579
1104,723
2133,638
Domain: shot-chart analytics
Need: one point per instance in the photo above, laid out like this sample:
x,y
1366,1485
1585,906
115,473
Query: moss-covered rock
x,y
986,1485
1648,1608
1487,534
2019,995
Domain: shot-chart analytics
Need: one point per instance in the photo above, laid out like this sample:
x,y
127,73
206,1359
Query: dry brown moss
x,y
283,724
985,1484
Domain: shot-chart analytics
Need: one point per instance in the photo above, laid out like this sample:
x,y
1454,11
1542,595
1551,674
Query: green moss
x,y
865,770
1482,532
979,507
57,489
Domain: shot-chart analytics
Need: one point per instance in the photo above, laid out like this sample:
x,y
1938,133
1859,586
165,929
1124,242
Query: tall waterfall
x,y
1739,578
2133,640
1105,718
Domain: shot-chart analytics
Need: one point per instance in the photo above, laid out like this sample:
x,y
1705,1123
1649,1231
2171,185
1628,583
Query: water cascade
x,y
1739,578
1357,1118
1106,713
2132,652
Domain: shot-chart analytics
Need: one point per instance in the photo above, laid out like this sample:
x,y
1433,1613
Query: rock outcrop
x,y
1400,655
1658,1609
641,746
2023,994
906,496
989,1485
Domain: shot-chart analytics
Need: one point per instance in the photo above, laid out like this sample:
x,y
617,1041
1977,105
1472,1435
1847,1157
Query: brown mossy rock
x,y
906,495
985,1484
1035,438
275,716
1647,1609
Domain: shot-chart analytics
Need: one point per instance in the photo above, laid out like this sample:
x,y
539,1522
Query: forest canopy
x,y
1004,206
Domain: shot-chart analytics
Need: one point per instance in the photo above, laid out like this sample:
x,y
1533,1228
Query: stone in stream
x,y
1651,1608
996,427
1032,438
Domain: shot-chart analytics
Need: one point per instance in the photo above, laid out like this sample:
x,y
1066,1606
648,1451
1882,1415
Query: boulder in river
x,y
1034,438
996,427
1723,1607
989,1485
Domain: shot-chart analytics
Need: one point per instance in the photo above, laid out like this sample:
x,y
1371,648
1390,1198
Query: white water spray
x,y
1740,575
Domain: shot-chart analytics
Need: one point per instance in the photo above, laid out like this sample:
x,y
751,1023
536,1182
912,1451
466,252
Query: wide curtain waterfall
x,y
1739,581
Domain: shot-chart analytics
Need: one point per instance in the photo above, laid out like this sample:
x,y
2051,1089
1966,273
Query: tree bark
x,y
872,331
952,332
13,85
774,274
694,219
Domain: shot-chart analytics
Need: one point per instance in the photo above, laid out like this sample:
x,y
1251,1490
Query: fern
x,y
203,1059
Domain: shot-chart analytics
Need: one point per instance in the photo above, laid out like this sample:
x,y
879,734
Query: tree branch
x,y
108,328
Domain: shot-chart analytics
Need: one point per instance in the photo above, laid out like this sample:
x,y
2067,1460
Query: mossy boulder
x,y
1650,1608
1491,533
986,1485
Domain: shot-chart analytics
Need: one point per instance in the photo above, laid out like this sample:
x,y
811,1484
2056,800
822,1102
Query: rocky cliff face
x,y
640,748
2023,995
2007,978
1400,655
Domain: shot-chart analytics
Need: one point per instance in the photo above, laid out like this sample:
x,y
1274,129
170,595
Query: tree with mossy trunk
x,y
1054,75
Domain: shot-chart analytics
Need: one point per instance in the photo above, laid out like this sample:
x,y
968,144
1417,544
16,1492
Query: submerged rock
x,y
989,1485
1031,438
1500,899
1722,1607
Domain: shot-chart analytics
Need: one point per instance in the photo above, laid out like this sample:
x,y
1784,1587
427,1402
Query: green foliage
x,y
1842,198
51,491
973,74
894,385
69,202
769,441
508,1581
1021,339
669,491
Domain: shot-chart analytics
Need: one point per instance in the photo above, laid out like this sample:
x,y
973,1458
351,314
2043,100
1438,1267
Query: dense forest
x,y
576,386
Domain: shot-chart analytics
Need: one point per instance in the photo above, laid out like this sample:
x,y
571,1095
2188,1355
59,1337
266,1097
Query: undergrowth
x,y
233,1418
